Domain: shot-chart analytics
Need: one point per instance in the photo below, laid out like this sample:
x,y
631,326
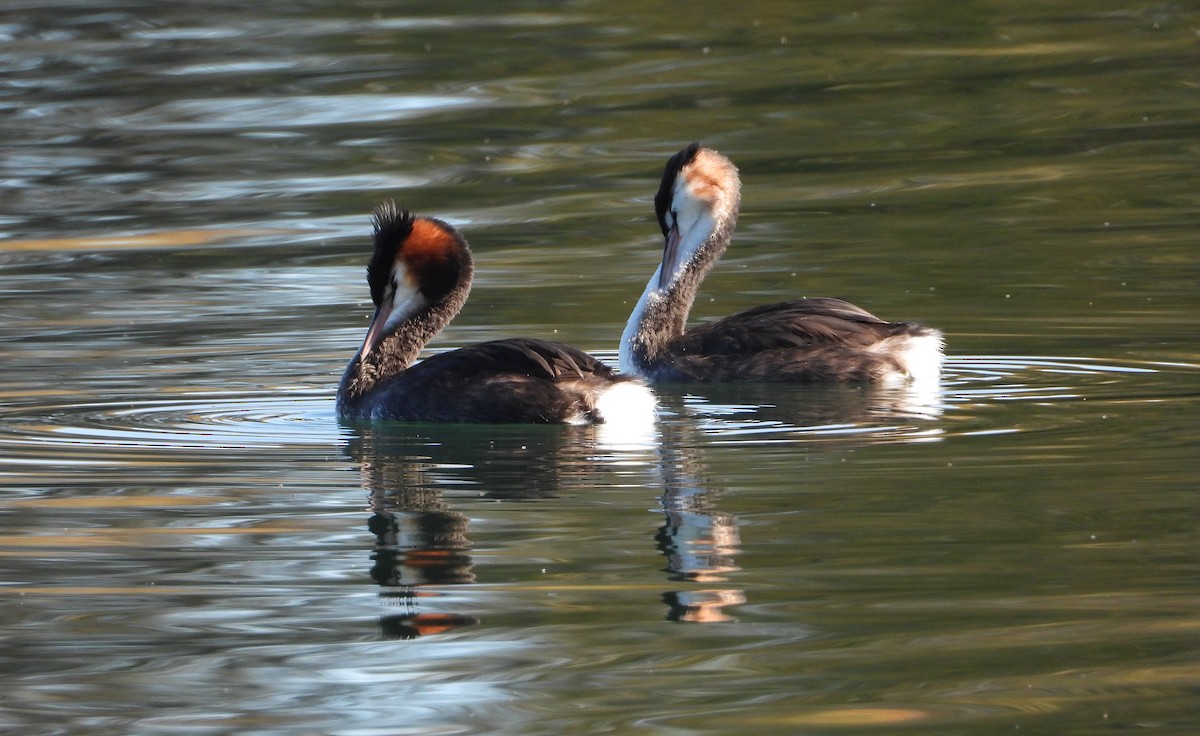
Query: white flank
x,y
921,355
627,404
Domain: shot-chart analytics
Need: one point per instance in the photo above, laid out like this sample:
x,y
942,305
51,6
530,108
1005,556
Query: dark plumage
x,y
804,340
419,276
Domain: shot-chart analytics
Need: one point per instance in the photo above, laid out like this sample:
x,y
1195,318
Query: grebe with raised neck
x,y
419,276
804,340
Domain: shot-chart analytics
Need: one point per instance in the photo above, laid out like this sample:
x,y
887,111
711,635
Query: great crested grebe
x,y
420,276
804,340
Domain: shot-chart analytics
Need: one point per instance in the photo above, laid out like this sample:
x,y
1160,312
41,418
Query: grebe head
x,y
697,205
419,264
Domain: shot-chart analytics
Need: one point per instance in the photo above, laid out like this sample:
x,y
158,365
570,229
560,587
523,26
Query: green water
x,y
190,543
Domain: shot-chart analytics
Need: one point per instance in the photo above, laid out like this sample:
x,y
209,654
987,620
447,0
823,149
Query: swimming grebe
x,y
420,276
803,340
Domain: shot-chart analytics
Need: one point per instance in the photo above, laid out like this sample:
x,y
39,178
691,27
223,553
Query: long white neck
x,y
697,218
661,314
626,359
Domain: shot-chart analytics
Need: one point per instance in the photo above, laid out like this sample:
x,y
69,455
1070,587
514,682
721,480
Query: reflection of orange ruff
x,y
427,557
406,626
437,623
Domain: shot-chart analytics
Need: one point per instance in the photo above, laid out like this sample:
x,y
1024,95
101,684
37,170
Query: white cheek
x,y
694,229
693,213
406,300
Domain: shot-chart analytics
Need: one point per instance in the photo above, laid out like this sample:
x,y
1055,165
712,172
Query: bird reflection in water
x,y
699,541
700,544
421,543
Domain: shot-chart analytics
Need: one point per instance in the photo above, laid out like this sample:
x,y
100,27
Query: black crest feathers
x,y
666,190
392,227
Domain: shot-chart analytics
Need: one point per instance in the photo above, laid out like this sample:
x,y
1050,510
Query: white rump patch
x,y
921,355
628,405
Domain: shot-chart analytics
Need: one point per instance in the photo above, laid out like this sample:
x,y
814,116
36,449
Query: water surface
x,y
190,542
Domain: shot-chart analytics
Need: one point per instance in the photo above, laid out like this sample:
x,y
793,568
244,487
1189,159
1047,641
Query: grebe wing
x,y
796,324
526,356
520,380
798,341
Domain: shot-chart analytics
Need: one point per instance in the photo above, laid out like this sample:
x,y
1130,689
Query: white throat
x,y
625,355
694,219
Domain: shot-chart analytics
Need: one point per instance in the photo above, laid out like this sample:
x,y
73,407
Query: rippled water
x,y
190,542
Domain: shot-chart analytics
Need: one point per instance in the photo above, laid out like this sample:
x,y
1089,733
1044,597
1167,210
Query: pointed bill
x,y
376,331
670,259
